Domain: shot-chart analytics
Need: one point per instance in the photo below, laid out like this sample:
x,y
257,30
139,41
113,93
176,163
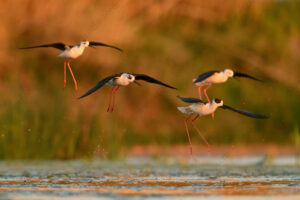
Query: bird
x,y
70,52
121,79
214,76
201,108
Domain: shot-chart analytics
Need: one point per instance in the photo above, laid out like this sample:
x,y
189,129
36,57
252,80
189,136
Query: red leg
x,y
110,94
65,73
75,83
203,138
114,98
199,92
206,93
187,132
213,114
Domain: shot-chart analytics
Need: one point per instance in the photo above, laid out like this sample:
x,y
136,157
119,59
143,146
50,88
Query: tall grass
x,y
171,40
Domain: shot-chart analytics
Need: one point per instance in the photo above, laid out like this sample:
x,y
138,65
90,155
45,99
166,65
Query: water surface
x,y
148,178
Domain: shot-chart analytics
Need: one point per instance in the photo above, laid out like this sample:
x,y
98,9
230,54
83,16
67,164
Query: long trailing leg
x,y
75,83
114,98
203,138
199,92
187,132
206,93
110,94
213,114
65,73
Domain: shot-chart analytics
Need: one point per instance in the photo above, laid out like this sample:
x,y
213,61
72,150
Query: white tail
x,y
186,110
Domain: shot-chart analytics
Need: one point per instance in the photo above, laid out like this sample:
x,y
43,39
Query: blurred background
x,y
171,40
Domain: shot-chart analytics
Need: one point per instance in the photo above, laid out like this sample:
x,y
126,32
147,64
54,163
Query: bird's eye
x,y
218,100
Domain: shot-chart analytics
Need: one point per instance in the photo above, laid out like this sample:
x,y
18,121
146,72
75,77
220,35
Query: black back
x,y
204,76
190,100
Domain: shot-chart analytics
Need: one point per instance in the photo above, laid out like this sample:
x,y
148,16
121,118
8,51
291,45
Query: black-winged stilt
x,y
201,108
211,77
121,79
71,52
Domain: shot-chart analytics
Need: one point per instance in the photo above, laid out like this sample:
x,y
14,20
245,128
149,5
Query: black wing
x,y
243,112
151,80
190,100
238,74
58,45
98,86
102,44
204,76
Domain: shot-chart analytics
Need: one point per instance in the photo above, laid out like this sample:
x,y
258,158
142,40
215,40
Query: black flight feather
x,y
149,79
58,45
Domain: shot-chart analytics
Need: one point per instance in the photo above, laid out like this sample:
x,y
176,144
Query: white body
x,y
201,108
218,77
123,80
75,51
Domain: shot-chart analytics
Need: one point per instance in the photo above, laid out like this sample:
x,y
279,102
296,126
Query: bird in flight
x,y
211,77
122,79
70,52
201,108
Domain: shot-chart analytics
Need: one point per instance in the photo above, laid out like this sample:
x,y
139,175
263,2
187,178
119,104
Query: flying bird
x,y
122,79
201,108
70,52
211,77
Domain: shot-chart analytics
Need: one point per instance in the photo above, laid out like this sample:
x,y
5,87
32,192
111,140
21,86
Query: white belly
x,y
73,53
203,109
120,81
216,78
202,83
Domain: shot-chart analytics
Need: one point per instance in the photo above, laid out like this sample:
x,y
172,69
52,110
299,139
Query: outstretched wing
x,y
204,76
98,86
243,112
190,100
151,80
238,74
58,45
102,44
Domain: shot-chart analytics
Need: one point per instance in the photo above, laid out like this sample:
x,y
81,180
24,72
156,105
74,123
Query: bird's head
x,y
218,102
130,77
228,72
84,43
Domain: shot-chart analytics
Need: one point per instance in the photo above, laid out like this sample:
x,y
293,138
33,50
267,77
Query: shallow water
x,y
148,178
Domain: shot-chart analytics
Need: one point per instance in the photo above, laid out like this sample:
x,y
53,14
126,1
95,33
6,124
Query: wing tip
x,y
239,74
179,97
264,117
24,47
82,96
121,50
